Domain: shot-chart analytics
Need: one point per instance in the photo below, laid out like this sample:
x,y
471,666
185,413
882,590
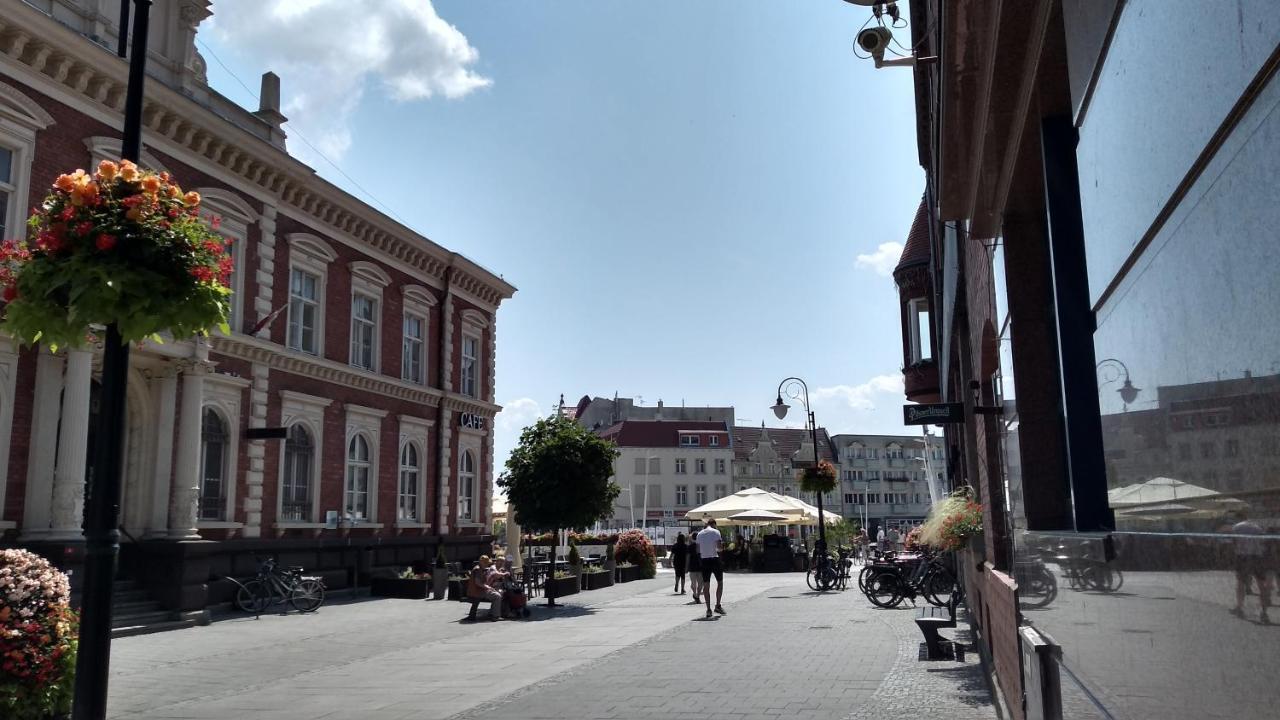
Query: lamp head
x,y
1128,393
780,408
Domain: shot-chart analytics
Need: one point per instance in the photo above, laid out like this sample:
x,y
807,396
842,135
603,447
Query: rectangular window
x,y
700,466
689,440
873,475
7,190
364,327
700,494
714,441
722,491
470,360
873,498
304,311
719,466
413,357
655,466
921,342
682,495
873,453
680,467
640,466
1232,448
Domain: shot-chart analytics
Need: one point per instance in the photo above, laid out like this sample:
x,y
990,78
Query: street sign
x,y
933,413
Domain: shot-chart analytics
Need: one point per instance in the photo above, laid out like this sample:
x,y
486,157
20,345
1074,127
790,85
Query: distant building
x,y
600,413
666,468
884,479
766,458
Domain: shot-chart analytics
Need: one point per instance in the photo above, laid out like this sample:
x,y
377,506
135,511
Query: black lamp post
x,y
1128,393
102,502
780,410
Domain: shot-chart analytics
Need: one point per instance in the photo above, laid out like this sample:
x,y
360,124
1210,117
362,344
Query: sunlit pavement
x,y
631,651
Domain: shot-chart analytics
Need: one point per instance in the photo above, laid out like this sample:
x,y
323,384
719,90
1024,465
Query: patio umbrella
x,y
757,518
808,514
1165,490
743,501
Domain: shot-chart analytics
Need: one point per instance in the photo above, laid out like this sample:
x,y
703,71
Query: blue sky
x,y
695,199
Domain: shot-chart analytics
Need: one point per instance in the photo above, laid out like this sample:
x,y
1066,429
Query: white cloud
x,y
883,260
518,414
327,52
862,397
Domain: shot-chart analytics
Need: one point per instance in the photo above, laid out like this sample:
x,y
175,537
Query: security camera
x,y
874,40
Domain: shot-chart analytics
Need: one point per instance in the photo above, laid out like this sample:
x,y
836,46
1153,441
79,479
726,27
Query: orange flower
x,y
173,191
134,214
108,170
85,194
151,184
64,183
128,171
192,198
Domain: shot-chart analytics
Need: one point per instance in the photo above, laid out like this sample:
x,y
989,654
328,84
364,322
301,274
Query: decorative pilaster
x,y
447,510
185,497
164,392
256,451
265,280
42,452
73,446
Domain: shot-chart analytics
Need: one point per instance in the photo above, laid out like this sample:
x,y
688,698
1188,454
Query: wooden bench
x,y
931,620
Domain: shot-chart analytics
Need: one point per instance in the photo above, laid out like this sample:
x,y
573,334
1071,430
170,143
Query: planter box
x,y
628,574
596,580
399,588
562,587
455,589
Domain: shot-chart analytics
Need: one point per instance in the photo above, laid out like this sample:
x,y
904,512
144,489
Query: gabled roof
x,y
917,250
658,433
786,441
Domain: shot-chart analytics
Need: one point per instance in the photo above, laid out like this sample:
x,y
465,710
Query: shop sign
x,y
933,413
471,421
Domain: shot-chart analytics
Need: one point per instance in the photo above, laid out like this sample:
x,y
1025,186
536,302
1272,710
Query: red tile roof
x,y
786,441
659,433
917,249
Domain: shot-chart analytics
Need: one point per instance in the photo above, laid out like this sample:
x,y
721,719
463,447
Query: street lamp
x,y
796,389
1128,393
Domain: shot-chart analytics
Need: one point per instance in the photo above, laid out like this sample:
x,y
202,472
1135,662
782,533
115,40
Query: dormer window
x,y
689,441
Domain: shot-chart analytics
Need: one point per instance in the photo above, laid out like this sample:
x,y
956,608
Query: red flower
x,y
213,246
84,228
10,293
215,222
67,213
105,242
202,273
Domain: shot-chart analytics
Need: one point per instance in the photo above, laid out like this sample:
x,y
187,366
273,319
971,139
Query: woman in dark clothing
x,y
680,561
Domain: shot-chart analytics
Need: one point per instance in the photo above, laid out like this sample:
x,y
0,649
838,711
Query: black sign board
x,y
933,413
266,433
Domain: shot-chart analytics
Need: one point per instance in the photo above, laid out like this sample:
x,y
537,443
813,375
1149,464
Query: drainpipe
x,y
442,415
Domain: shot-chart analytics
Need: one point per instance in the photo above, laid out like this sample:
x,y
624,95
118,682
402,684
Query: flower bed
x,y
122,246
37,638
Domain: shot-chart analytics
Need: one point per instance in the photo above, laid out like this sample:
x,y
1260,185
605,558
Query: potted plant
x,y
627,572
123,245
819,479
457,587
635,547
440,577
409,584
952,523
37,638
563,583
575,560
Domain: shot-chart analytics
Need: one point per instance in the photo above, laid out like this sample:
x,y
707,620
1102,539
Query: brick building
x,y
369,345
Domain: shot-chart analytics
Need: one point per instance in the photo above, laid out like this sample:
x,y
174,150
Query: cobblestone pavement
x,y
632,651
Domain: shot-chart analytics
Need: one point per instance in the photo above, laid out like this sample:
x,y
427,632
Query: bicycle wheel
x,y
884,590
938,586
307,595
1040,589
864,575
252,597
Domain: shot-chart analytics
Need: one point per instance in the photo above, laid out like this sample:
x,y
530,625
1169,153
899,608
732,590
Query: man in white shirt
x,y
880,541
709,543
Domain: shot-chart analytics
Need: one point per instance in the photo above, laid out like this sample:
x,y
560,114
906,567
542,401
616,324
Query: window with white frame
x,y
364,331
470,364
893,452
682,495
722,491
20,119
299,465
700,466
700,494
466,486
689,440
414,350
719,466
873,453
680,466
714,441
410,472
304,311
8,191
213,466
848,499
356,496
918,326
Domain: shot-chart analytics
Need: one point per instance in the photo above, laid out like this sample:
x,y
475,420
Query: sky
x,y
695,199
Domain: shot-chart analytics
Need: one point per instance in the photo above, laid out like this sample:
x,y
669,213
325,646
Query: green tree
x,y
559,476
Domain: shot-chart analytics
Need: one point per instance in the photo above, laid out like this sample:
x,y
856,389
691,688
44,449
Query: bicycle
x,y
824,574
276,586
930,578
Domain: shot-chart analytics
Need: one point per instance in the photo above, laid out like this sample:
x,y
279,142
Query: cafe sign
x,y
471,421
933,413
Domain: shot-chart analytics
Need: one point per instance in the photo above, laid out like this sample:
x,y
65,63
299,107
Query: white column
x,y
185,498
73,445
37,513
164,390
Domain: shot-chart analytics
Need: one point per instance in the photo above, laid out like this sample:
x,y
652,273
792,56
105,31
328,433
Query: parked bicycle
x,y
274,585
929,577
827,573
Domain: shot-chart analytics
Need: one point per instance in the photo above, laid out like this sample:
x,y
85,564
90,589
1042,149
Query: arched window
x,y
466,486
213,466
299,460
356,505
407,507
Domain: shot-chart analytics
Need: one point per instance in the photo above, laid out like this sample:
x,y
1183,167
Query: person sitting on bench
x,y
479,590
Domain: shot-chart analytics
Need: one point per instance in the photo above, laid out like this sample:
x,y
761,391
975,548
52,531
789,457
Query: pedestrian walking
x,y
881,542
695,567
709,545
680,561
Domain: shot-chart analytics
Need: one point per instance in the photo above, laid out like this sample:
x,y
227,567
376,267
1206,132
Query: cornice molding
x,y
72,62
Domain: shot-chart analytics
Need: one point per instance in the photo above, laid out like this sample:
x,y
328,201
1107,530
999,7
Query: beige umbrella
x,y
756,518
744,501
809,513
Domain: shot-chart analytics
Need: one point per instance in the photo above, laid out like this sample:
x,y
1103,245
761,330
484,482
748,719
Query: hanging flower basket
x,y
820,479
123,245
37,638
952,522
